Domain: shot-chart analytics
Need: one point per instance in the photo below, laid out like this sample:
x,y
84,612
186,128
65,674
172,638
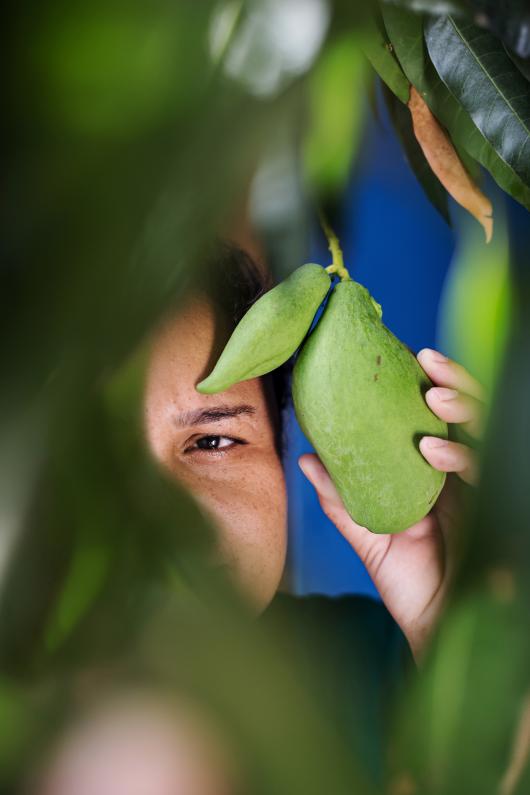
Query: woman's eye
x,y
213,443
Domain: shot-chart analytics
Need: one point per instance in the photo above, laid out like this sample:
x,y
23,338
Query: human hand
x,y
412,570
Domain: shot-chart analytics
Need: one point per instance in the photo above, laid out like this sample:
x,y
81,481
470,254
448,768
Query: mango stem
x,y
337,266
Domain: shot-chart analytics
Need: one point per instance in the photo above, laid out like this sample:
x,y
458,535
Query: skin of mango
x,y
359,397
271,331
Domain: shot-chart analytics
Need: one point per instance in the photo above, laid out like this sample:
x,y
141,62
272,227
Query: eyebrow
x,y
213,414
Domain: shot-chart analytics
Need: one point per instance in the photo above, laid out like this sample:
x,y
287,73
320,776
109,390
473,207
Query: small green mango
x,y
359,397
271,331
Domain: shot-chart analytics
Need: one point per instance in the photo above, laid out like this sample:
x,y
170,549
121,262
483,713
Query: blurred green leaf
x,y
335,114
128,151
138,77
260,694
265,692
378,50
16,726
477,301
104,532
406,33
477,70
455,733
105,228
434,190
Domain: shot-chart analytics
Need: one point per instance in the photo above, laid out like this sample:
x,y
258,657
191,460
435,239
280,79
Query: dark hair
x,y
234,281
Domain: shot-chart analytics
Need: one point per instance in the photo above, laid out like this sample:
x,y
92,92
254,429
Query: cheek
x,y
250,513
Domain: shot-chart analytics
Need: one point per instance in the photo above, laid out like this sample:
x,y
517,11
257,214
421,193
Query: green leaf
x,y
523,64
476,68
475,333
430,183
446,739
372,89
430,6
378,50
508,19
335,114
406,34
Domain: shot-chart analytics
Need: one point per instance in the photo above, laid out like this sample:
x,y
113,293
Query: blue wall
x,y
397,245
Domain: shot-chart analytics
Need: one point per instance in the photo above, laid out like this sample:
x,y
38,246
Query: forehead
x,y
186,345
184,350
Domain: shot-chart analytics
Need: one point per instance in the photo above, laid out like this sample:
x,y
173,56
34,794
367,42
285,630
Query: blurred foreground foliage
x,y
133,134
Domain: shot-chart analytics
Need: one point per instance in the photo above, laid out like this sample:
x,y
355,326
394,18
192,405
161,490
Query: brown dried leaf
x,y
446,164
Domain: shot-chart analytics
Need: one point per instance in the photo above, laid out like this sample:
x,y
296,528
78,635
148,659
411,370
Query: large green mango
x,y
359,397
271,330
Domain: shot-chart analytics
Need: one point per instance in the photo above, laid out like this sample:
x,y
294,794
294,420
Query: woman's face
x,y
221,447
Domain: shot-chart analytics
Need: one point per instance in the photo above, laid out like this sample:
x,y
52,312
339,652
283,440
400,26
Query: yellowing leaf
x,y
446,164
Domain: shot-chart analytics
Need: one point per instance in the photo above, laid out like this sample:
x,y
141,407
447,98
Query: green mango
x,y
271,331
359,397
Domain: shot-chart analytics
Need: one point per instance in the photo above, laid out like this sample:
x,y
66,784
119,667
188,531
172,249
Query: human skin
x,y
136,745
239,482
242,484
412,571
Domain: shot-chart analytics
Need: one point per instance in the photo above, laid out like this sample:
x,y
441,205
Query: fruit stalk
x,y
337,265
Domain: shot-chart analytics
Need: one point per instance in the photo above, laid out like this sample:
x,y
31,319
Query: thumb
x,y
359,537
367,545
317,475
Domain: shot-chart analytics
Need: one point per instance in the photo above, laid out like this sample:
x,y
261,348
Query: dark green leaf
x,y
430,183
406,33
430,6
378,50
477,70
372,89
523,64
508,19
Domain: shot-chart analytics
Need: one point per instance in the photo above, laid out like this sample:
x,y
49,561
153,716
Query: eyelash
x,y
195,449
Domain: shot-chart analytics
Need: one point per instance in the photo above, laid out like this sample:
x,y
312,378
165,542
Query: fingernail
x,y
433,442
305,465
434,356
442,393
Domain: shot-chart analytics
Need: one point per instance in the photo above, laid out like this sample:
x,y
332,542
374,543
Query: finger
x,y
332,504
450,457
444,372
455,407
449,507
329,498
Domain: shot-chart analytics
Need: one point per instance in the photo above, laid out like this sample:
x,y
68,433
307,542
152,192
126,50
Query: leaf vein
x,y
484,71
